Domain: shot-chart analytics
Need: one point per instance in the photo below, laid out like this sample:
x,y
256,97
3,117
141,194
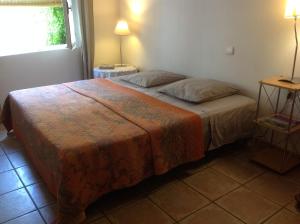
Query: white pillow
x,y
152,78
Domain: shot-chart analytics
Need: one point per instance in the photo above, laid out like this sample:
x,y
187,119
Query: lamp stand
x,y
121,53
294,80
296,50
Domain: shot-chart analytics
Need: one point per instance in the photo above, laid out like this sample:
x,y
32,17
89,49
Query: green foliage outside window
x,y
57,30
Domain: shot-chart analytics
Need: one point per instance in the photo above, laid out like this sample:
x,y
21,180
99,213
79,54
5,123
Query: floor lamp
x,y
293,12
121,30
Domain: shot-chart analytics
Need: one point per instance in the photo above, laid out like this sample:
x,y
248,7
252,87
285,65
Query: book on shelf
x,y
281,121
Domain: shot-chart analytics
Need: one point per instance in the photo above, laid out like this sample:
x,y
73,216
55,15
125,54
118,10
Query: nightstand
x,y
276,158
117,71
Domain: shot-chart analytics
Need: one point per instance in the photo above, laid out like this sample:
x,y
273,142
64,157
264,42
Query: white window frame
x,y
67,23
67,45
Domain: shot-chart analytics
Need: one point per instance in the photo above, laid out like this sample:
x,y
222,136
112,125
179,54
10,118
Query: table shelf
x,y
279,123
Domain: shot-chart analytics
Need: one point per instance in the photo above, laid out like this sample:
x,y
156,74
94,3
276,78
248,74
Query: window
x,y
34,25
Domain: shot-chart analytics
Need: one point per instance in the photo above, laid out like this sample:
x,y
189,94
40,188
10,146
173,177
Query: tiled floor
x,y
226,188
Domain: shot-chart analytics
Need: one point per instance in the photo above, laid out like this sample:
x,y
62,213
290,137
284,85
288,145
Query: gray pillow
x,y
198,90
152,78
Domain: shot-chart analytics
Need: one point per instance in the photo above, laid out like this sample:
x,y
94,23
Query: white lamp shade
x,y
292,9
122,28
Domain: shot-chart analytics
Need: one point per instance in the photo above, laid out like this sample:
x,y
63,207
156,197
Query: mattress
x,y
224,120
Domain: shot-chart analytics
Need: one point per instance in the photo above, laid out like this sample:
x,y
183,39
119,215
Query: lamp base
x,y
295,80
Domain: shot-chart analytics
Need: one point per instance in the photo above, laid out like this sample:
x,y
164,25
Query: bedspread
x,y
91,137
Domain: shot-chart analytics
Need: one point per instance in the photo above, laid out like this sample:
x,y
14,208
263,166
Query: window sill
x,y
50,48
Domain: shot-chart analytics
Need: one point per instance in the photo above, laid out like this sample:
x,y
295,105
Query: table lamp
x,y
293,12
121,30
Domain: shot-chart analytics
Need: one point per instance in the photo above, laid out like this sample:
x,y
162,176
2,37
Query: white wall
x,y
190,36
38,69
106,15
58,66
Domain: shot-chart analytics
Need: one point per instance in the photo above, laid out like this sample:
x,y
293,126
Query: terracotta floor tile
x,y
294,175
120,199
178,200
1,152
240,171
154,183
191,169
28,175
11,145
18,159
142,211
4,164
49,213
247,152
248,206
93,212
31,218
211,183
292,207
211,214
9,181
275,188
40,195
284,217
15,204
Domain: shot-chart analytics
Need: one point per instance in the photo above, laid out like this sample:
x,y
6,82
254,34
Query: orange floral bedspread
x,y
88,138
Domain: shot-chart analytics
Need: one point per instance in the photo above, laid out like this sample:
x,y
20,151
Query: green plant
x,y
57,29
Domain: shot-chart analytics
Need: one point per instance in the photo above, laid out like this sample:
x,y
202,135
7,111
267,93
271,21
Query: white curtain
x,y
84,32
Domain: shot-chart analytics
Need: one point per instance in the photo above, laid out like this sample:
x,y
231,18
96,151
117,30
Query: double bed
x,y
224,120
91,137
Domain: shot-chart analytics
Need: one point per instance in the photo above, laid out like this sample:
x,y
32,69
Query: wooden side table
x,y
117,71
275,158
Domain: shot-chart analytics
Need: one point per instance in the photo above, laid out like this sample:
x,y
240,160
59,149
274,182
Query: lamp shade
x,y
122,28
292,9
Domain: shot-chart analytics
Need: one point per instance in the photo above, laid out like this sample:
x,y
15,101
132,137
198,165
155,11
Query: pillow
x,y
198,90
152,78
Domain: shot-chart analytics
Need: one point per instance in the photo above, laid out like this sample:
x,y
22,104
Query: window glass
x,y
31,28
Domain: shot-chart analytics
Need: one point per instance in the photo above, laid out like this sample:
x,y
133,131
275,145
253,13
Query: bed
x,y
224,120
91,137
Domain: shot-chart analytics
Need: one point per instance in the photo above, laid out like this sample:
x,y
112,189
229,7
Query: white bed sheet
x,y
224,120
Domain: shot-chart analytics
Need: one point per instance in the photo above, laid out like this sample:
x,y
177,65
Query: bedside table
x,y
273,157
117,71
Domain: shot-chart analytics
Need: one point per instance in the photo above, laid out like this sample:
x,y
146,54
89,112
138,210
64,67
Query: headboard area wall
x,y
193,37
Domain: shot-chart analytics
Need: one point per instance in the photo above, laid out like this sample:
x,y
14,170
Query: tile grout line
x,y
25,188
182,181
270,217
19,216
214,201
210,201
161,209
241,185
105,216
19,188
244,185
229,213
38,210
